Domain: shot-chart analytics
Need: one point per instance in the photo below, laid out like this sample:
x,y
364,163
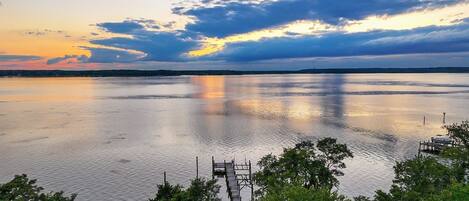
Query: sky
x,y
237,35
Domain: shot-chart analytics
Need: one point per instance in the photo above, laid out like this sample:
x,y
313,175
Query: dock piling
x,y
197,167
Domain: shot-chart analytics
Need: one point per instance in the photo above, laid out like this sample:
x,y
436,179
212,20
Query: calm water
x,y
112,138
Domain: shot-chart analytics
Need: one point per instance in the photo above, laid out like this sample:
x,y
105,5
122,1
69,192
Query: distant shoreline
x,y
150,73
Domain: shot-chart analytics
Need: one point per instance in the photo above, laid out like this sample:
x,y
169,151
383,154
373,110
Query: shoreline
x,y
154,73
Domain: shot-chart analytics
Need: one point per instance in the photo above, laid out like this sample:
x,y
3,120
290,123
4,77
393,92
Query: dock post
x,y
424,119
250,181
164,178
420,148
197,167
444,117
213,167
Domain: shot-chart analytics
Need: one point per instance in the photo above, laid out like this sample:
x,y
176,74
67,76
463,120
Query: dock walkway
x,y
236,177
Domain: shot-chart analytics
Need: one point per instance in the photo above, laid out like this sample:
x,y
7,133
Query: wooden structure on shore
x,y
436,144
237,176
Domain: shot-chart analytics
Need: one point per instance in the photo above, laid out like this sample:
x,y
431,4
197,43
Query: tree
x,y
460,133
299,193
166,192
23,189
459,154
361,198
457,192
416,179
306,165
199,190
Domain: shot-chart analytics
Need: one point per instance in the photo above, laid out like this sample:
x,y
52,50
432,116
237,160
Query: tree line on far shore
x,y
308,172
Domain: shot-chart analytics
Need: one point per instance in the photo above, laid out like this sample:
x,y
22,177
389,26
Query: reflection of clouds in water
x,y
210,87
409,83
364,93
124,161
162,128
30,140
150,97
319,85
298,109
333,105
147,81
375,134
293,84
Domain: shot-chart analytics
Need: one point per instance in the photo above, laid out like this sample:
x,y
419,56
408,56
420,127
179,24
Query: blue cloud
x,y
157,46
235,18
121,27
4,57
104,55
423,40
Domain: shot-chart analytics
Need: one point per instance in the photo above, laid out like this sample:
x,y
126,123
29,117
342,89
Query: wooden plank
x,y
228,169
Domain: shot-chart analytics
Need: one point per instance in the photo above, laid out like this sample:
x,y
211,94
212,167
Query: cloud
x,y
35,33
120,27
155,45
4,57
286,30
422,40
235,17
128,26
80,58
44,32
103,55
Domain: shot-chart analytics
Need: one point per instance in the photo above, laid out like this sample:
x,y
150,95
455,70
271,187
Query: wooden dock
x,y
237,177
433,147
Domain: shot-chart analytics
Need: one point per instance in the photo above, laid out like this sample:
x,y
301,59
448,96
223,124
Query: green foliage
x,y
416,179
423,174
166,192
457,192
459,155
460,133
23,189
306,165
361,198
300,193
199,190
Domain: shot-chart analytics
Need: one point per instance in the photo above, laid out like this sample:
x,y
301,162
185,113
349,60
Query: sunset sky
x,y
242,35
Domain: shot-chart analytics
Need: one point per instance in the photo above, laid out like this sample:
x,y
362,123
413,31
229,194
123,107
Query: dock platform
x,y
435,147
237,177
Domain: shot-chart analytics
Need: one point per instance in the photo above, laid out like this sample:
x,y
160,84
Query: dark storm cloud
x,y
234,17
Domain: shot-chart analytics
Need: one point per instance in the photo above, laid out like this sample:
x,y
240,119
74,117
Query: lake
x,y
112,138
